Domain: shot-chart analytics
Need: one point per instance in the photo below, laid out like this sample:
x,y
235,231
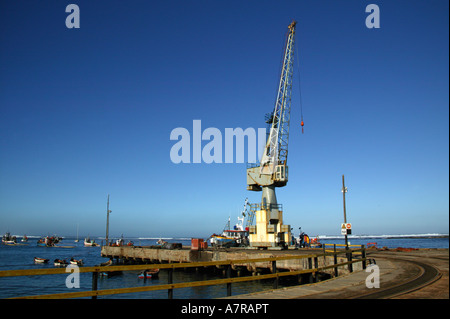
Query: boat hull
x,y
152,273
40,260
223,241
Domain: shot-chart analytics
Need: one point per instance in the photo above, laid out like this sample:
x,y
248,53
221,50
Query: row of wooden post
x,y
313,276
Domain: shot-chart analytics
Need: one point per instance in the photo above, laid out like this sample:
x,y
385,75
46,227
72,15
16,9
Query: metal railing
x,y
313,268
259,206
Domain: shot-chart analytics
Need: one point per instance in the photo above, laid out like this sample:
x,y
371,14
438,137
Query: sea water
x,y
21,256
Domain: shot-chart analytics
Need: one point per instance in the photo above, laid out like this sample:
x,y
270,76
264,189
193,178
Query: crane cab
x,y
281,173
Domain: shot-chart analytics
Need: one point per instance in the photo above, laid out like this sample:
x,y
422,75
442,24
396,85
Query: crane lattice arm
x,y
276,150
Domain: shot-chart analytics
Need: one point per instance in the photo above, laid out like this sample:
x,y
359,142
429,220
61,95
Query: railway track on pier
x,y
427,275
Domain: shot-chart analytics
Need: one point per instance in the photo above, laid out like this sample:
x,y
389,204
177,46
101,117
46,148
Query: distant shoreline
x,y
323,237
424,236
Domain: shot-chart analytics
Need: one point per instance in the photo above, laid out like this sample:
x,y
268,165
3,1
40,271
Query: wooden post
x,y
229,284
336,273
170,281
363,256
94,282
274,271
316,265
349,258
311,279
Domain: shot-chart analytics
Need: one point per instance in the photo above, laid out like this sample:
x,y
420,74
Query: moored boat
x,y
238,236
8,239
40,260
60,262
49,241
78,262
109,273
89,243
149,273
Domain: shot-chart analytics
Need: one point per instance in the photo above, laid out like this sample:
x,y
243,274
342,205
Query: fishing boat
x,y
238,236
24,239
109,273
89,243
149,273
60,262
78,262
7,239
49,241
40,260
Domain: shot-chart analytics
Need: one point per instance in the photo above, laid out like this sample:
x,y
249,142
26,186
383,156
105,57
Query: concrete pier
x,y
138,254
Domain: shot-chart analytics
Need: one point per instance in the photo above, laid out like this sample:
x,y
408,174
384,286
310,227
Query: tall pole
x,y
107,221
344,190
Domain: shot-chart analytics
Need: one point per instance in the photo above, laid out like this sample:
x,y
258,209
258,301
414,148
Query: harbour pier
x,y
244,260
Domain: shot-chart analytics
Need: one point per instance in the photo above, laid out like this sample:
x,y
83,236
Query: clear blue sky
x,y
88,112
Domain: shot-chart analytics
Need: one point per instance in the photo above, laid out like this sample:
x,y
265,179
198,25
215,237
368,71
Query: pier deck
x,y
137,254
402,276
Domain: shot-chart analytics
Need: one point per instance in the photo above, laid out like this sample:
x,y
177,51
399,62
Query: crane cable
x,y
299,87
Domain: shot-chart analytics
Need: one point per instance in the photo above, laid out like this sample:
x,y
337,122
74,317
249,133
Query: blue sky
x,y
88,112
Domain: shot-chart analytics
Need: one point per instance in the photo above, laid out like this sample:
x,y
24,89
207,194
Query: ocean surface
x,y
21,256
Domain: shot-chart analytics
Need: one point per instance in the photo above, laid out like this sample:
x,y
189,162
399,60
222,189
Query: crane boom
x,y
276,150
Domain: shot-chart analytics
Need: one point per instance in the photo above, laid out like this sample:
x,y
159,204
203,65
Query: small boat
x,y
8,239
41,242
24,239
89,243
149,273
107,263
78,262
109,273
40,260
49,241
60,262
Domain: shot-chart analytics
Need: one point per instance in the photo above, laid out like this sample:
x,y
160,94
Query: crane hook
x,y
302,126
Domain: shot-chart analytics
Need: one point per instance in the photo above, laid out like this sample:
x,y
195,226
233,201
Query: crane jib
x,y
277,144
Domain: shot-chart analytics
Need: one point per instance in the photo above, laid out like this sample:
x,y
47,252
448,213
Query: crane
x,y
272,171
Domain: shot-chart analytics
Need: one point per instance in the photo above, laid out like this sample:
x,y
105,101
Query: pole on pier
x,y
344,190
107,221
